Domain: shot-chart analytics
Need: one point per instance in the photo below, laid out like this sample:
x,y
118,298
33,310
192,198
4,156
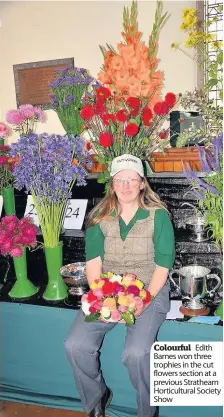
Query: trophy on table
x,y
192,285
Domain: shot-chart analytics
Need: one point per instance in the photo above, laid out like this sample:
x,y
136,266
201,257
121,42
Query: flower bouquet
x,y
125,126
48,167
115,298
25,118
15,236
69,90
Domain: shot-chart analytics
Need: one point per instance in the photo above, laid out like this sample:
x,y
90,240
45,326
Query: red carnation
x,y
106,139
147,298
87,112
163,134
131,129
170,99
91,296
107,117
92,310
161,108
107,288
122,116
103,93
133,102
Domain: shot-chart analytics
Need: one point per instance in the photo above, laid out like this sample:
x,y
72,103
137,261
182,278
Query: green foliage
x,y
212,206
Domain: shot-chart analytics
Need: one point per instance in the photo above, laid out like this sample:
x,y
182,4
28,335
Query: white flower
x,y
105,312
116,278
85,308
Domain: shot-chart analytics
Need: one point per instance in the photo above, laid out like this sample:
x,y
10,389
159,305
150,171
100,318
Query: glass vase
x,y
56,288
9,201
22,288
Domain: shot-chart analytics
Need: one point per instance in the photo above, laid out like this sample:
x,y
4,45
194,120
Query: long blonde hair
x,y
147,199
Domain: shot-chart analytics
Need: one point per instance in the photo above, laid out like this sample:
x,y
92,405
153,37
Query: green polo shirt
x,y
164,245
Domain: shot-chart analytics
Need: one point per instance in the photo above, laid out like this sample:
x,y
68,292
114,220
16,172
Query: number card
x,y
1,204
31,211
75,214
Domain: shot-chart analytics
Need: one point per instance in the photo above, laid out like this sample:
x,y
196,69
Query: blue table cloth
x,y
34,368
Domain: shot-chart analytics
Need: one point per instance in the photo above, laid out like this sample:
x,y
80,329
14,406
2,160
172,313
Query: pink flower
x,y
14,117
138,303
3,160
26,220
122,309
4,131
18,239
9,219
98,292
132,289
115,315
11,226
40,115
27,113
24,107
118,288
97,305
84,298
16,252
29,230
7,243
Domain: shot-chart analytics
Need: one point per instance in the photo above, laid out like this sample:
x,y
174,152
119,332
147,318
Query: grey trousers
x,y
84,341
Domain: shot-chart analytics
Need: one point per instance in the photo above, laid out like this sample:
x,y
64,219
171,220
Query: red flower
x,y
147,298
161,108
107,288
106,139
131,129
170,99
92,309
133,102
122,116
91,297
4,148
103,93
163,134
87,112
134,112
88,146
99,107
107,117
147,116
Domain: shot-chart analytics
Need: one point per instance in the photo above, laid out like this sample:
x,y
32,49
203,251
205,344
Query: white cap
x,y
126,161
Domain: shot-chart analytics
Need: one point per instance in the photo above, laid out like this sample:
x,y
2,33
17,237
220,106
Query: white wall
x,y
36,31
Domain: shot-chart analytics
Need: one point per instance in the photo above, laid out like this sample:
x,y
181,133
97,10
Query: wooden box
x,y
172,159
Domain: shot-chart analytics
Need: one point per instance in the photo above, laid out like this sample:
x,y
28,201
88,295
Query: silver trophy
x,y
191,282
74,275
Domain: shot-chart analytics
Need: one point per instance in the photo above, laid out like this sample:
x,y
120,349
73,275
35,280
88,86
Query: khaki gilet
x,y
135,254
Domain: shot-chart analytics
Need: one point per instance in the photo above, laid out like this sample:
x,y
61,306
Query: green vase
x,y
56,288
9,200
22,288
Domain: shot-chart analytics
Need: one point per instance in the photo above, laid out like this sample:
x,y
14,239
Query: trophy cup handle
x,y
175,271
217,278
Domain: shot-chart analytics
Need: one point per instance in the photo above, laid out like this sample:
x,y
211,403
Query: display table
x,y
34,367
